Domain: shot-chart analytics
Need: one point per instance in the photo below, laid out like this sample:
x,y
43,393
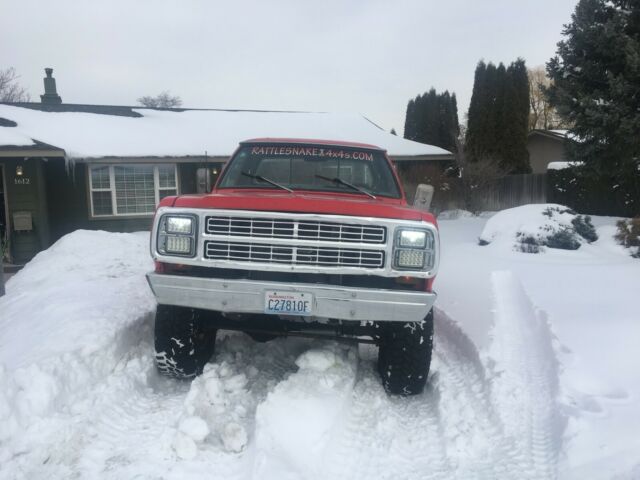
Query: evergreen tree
x,y
433,118
516,122
477,115
409,121
498,117
393,131
596,85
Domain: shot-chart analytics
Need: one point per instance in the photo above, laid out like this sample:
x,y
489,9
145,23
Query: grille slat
x,y
295,230
300,255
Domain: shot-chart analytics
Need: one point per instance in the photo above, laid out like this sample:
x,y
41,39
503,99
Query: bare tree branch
x,y
541,114
10,89
162,100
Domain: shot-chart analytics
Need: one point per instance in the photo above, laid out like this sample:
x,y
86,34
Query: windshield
x,y
329,169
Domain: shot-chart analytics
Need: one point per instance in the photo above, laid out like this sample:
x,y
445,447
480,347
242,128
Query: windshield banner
x,y
313,152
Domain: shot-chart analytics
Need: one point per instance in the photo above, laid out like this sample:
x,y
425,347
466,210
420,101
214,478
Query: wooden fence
x,y
487,195
512,191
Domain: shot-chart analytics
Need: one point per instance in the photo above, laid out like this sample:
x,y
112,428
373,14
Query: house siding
x,y
26,193
69,207
543,150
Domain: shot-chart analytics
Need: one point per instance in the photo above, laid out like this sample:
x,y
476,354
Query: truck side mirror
x,y
424,195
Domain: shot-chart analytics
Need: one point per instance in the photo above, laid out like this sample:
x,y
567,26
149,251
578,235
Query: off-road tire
x,y
184,341
404,356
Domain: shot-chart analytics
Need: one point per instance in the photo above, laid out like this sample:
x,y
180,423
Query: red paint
x,y
304,202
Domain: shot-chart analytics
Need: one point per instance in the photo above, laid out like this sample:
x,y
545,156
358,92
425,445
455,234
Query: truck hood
x,y
304,202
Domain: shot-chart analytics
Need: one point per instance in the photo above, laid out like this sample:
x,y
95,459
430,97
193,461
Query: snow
x,y
562,165
512,228
194,132
11,136
534,375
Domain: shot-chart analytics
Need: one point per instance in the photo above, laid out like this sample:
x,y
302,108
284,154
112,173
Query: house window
x,y
130,189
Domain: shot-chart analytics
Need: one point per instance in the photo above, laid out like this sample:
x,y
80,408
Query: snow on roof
x,y
562,165
12,136
562,133
162,133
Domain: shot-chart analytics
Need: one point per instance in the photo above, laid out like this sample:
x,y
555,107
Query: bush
x,y
584,228
564,239
629,235
604,194
528,243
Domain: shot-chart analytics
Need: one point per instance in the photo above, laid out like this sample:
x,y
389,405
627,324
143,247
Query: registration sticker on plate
x,y
288,303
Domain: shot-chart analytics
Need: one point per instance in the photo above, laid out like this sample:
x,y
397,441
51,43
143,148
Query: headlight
x,y
177,235
182,225
410,259
412,239
413,249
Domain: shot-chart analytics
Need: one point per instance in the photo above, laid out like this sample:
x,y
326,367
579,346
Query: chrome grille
x,y
295,229
299,255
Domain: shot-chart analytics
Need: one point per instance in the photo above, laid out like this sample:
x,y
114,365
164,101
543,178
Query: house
x,y
70,166
545,147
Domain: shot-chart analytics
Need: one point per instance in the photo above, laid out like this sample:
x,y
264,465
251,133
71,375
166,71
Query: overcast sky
x,y
359,56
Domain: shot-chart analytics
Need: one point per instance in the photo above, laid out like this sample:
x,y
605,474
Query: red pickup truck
x,y
298,237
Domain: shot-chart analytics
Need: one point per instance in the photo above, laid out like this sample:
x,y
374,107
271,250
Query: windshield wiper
x,y
266,180
339,181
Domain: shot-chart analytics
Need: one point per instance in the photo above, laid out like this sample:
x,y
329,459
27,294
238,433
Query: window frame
x,y
112,188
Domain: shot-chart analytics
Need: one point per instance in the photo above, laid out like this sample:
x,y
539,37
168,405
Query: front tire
x,y
184,341
404,356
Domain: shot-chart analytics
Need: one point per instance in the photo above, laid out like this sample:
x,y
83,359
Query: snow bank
x,y
531,227
194,132
67,318
296,423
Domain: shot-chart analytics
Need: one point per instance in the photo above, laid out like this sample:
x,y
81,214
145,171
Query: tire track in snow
x,y
449,431
525,384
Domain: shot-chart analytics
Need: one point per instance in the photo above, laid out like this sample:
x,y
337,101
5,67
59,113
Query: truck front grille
x,y
295,229
298,255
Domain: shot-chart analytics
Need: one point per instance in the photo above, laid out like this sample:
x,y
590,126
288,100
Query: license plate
x,y
288,303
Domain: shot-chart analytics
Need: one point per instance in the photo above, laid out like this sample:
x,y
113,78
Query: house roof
x,y
555,134
99,131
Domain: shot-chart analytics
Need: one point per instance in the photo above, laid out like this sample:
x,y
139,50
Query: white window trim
x,y
112,188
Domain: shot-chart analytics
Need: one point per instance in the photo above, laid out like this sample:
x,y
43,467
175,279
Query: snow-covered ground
x,y
534,376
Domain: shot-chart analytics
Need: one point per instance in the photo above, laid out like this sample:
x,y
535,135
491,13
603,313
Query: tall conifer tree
x,y
596,88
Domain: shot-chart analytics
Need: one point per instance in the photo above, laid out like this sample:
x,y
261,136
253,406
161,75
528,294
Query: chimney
x,y
50,96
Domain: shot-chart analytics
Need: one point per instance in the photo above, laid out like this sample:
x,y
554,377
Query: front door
x,y
4,216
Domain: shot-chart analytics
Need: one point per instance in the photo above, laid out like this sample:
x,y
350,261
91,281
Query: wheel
x,y
404,356
183,342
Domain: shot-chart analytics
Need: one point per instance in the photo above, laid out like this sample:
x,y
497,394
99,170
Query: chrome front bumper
x,y
247,296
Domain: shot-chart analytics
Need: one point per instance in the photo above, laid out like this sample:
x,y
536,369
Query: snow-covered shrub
x,y
526,243
629,235
585,228
564,239
531,228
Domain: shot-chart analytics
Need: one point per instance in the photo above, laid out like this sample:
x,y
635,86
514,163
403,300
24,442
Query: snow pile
x,y
67,319
530,228
215,411
296,423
